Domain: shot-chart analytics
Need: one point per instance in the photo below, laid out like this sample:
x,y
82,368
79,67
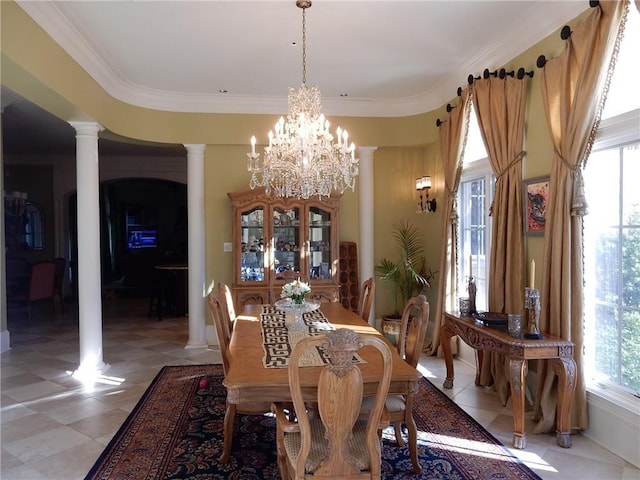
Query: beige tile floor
x,y
54,427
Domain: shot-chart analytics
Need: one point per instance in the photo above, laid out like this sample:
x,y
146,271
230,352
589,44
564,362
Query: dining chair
x,y
227,300
335,443
366,298
40,288
220,317
413,328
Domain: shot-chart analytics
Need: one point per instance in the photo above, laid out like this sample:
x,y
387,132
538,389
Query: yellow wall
x,y
37,68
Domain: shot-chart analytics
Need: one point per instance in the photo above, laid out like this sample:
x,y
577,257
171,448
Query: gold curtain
x,y
499,105
453,134
573,86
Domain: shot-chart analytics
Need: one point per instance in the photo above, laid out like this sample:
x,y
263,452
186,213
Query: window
x,y
612,255
33,228
612,236
475,195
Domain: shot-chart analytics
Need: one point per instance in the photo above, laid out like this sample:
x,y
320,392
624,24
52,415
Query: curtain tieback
x,y
453,198
518,158
579,206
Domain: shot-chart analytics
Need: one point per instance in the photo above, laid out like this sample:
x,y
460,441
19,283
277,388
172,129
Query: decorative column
x,y
195,207
89,278
5,338
365,199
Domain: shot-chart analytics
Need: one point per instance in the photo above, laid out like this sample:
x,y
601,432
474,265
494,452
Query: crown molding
x,y
49,16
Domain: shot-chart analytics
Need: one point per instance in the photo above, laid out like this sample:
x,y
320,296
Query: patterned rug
x,y
175,432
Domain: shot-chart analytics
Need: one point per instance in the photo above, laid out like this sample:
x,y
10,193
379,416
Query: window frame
x,y
613,133
475,170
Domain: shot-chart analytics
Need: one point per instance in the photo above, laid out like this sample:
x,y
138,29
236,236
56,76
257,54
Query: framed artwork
x,y
536,195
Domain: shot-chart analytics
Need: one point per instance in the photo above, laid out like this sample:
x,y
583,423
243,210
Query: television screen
x,y
139,238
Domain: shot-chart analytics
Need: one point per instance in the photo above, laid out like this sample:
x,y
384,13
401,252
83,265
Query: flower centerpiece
x,y
296,291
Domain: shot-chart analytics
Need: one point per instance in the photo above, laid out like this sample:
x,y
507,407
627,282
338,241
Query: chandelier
x,y
303,159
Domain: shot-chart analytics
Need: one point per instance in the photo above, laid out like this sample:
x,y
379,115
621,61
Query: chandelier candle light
x,y
302,159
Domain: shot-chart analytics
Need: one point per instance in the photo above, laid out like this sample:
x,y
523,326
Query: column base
x,y
91,372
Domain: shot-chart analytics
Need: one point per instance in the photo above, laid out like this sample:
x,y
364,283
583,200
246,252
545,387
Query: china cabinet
x,y
276,239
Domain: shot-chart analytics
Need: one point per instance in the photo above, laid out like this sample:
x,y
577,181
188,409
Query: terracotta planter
x,y
391,327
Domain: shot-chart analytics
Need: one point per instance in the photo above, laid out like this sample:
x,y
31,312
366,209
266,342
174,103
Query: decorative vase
x,y
294,311
532,313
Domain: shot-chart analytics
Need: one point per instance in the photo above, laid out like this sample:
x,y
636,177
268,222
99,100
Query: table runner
x,y
279,336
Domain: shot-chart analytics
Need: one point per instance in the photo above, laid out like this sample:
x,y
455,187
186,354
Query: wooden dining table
x,y
248,380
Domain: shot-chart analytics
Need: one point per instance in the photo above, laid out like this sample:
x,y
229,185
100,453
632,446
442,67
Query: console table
x,y
518,350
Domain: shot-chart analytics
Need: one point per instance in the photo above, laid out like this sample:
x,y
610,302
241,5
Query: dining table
x,y
254,375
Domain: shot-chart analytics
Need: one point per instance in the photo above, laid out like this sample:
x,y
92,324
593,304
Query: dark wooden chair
x,y
40,288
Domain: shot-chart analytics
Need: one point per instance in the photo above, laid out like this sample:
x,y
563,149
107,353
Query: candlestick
x,y
532,274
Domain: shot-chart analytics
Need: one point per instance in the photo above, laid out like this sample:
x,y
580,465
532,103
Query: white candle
x,y
253,145
470,266
532,273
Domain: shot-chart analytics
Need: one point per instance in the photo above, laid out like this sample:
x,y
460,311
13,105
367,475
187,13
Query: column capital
x,y
87,128
194,148
366,152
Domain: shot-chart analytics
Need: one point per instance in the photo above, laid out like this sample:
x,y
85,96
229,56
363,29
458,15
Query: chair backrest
x,y
42,280
220,316
340,390
413,328
58,283
366,298
227,299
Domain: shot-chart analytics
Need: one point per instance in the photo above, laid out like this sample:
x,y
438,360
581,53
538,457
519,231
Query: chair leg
x,y
397,427
229,418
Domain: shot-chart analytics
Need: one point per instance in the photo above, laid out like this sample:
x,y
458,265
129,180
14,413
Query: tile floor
x,y
54,427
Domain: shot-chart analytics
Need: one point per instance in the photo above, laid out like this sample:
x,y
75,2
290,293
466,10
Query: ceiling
x,y
369,58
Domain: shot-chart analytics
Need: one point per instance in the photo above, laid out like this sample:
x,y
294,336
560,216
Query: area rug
x,y
175,432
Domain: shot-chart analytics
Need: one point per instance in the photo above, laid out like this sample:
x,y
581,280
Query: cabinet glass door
x,y
252,243
319,243
286,240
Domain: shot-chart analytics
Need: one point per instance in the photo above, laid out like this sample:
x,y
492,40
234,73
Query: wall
x,y
36,68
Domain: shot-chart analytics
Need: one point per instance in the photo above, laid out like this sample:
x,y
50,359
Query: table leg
x,y
565,369
229,417
518,369
479,358
413,432
445,341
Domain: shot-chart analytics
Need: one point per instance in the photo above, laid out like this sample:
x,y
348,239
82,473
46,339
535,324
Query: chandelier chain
x,y
304,46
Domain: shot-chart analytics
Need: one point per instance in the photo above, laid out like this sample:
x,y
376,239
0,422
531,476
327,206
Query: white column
x,y
365,198
89,281
195,207
5,338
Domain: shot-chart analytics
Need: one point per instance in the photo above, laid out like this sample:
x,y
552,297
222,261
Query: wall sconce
x,y
423,186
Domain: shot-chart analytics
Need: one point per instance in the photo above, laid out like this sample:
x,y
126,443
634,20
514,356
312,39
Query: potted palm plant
x,y
405,277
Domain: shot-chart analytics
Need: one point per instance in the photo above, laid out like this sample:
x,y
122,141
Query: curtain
x,y
573,92
499,105
453,134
